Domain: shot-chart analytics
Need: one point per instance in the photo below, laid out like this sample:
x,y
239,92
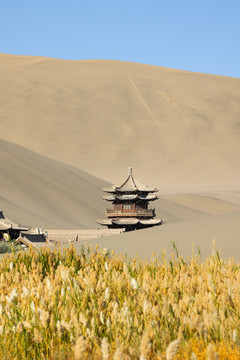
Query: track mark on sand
x,y
153,116
6,107
143,102
173,104
170,101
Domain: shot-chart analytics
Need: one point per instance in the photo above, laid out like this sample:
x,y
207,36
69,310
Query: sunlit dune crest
x,y
177,128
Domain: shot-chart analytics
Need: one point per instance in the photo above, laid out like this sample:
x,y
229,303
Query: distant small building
x,y
130,201
34,240
10,227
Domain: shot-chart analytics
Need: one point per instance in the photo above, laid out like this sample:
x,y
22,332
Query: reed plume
x,y
172,349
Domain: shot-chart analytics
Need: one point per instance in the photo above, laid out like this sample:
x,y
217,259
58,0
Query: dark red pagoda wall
x,y
118,207
141,206
133,206
125,206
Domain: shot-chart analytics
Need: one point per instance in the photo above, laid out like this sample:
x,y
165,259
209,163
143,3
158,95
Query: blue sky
x,y
194,35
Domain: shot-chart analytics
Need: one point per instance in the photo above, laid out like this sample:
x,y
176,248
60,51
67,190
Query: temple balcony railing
x,y
130,213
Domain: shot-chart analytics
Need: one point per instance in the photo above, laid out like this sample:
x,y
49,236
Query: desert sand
x,y
42,192
209,235
68,128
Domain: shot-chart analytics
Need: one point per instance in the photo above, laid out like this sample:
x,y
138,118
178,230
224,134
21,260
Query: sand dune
x,y
36,191
39,191
202,204
179,128
188,236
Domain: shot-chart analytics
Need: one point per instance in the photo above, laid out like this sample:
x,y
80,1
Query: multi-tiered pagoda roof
x,y
130,201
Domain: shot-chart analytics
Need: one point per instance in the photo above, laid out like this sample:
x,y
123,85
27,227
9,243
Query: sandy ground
x,y
66,125
210,234
42,192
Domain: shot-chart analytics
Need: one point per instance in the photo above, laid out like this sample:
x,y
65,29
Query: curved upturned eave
x,y
148,197
109,190
109,198
130,197
126,221
151,222
130,185
7,224
129,221
126,197
104,222
114,190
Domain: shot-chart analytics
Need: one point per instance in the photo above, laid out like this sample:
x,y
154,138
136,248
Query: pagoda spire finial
x,y
130,170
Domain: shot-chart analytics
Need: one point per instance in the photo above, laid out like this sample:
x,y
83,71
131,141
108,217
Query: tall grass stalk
x,y
99,305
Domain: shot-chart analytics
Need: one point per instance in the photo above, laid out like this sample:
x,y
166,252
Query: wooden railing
x,y
130,213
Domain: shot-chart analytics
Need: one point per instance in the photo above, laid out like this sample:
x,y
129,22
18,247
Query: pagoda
x,y
130,201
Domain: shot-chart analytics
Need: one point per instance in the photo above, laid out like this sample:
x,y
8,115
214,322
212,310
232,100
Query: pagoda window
x,y
127,206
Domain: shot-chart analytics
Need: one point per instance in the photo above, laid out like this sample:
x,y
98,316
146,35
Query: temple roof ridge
x,y
129,185
7,224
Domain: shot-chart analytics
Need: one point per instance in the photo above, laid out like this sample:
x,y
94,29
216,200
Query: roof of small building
x,y
129,185
7,224
34,237
35,240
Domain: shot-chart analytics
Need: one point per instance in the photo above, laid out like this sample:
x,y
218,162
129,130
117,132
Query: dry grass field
x,y
100,305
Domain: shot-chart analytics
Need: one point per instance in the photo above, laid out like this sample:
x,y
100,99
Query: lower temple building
x,y
10,228
130,201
